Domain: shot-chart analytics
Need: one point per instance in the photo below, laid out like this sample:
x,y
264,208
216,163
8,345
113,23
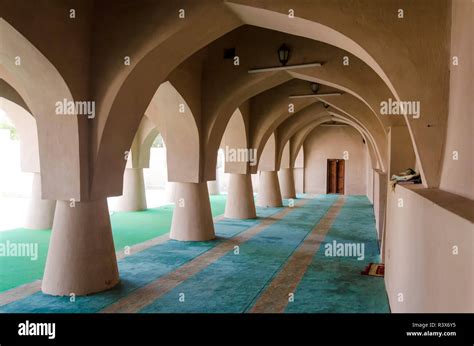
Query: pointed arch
x,y
174,119
25,68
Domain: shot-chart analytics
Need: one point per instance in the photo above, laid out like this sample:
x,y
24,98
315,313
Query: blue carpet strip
x,y
334,284
234,281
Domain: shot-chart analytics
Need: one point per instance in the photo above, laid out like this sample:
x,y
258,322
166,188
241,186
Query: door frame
x,y
328,175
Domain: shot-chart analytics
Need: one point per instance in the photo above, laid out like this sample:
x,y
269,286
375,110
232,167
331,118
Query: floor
x,y
14,206
15,271
278,262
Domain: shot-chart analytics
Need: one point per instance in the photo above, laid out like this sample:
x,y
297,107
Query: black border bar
x,y
292,329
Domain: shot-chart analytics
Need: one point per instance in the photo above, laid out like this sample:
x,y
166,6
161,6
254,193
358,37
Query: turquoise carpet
x,y
128,229
234,282
334,284
231,284
137,270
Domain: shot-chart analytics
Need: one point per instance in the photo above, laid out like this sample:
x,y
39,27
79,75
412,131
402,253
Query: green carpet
x,y
128,228
15,271
137,270
151,223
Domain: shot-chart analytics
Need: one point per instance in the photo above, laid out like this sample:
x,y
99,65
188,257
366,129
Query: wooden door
x,y
340,176
335,176
332,176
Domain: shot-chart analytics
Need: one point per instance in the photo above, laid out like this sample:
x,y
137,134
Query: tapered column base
x,y
134,196
269,194
240,202
192,217
287,183
81,256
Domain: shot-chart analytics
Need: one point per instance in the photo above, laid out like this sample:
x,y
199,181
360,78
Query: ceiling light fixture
x,y
314,95
283,54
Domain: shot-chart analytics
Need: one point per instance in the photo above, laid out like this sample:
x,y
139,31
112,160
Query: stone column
x,y
192,218
169,191
40,211
287,183
269,194
213,187
133,197
81,256
240,202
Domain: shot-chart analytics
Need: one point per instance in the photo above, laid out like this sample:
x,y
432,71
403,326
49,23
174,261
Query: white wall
x,y
457,175
255,182
325,143
14,182
156,176
419,258
15,185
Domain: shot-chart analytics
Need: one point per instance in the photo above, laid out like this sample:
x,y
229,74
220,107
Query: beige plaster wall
x,y
285,156
370,180
380,193
235,139
267,159
457,175
401,153
330,143
180,133
420,263
298,171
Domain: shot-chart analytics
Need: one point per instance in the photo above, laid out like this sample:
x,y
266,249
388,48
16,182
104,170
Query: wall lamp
x,y
284,54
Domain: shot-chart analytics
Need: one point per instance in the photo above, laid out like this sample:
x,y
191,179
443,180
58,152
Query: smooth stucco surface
x,y
331,143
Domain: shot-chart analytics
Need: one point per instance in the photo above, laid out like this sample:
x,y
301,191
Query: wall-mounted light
x,y
325,105
283,54
315,87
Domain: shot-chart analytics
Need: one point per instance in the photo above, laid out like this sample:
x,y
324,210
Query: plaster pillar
x,y
240,203
169,191
40,211
213,187
269,194
192,218
287,183
81,256
134,196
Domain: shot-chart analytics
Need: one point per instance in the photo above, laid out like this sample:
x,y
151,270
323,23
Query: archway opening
x,y
15,185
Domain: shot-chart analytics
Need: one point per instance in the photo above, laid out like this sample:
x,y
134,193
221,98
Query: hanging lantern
x,y
283,54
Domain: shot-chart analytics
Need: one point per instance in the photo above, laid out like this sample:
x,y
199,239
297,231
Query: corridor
x,y
236,273
251,157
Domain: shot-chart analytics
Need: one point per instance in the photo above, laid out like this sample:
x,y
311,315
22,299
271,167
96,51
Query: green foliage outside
x,y
158,142
13,134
